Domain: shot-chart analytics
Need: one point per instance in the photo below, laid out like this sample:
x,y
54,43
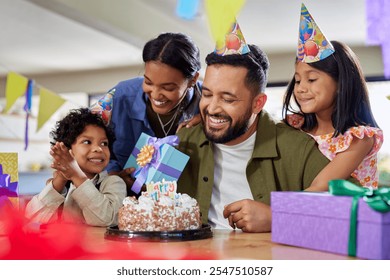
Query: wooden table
x,y
224,244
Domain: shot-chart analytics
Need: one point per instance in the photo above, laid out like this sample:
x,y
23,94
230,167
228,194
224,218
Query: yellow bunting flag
x,y
15,87
222,14
49,102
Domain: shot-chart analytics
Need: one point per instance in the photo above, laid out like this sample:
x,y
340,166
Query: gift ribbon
x,y
378,199
142,172
6,187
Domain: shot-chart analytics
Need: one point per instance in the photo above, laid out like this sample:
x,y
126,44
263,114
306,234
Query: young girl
x,y
334,109
80,155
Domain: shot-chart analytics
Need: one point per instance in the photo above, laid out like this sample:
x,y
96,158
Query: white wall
x,y
12,132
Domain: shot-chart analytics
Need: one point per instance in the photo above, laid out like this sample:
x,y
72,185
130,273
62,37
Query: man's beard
x,y
233,132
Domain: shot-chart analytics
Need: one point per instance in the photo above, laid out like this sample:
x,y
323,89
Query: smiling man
x,y
238,154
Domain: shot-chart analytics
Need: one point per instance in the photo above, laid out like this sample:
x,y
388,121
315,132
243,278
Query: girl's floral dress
x,y
367,171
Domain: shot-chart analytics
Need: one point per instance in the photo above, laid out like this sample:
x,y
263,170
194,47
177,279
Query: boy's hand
x,y
58,181
66,164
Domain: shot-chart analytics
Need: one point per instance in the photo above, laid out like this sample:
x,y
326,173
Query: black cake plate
x,y
113,233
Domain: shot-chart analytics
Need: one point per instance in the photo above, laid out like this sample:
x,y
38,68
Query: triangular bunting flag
x,y
49,102
15,87
222,14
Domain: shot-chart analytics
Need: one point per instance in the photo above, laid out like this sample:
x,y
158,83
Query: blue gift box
x,y
167,163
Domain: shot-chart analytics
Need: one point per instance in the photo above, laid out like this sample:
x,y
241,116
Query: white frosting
x,y
186,201
166,201
145,202
129,201
179,211
146,214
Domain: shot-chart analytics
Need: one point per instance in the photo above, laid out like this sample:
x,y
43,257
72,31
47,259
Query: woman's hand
x,y
190,123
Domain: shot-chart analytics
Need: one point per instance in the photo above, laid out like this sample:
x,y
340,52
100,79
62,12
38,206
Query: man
x,y
238,154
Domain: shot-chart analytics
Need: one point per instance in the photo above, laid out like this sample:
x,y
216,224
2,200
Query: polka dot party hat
x,y
312,43
234,42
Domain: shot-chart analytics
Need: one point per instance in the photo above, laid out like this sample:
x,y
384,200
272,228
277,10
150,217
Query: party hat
x,y
104,106
312,43
234,42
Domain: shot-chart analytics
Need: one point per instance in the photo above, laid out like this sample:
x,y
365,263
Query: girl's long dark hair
x,y
352,104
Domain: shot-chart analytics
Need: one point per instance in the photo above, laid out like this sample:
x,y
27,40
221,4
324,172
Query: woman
x,y
167,94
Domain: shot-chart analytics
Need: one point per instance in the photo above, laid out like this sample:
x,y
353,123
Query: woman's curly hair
x,y
71,126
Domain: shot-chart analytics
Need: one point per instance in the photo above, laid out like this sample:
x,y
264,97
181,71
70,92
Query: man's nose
x,y
214,106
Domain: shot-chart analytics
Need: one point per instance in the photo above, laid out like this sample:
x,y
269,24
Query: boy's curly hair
x,y
71,126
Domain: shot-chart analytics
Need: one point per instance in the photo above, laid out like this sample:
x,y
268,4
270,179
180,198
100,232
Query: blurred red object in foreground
x,y
22,240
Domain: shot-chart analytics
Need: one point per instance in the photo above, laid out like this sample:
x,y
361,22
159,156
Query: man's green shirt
x,y
283,159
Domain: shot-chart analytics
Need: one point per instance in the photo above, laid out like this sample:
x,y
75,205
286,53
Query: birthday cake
x,y
159,209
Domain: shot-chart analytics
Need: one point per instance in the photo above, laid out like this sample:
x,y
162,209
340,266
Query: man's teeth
x,y
217,120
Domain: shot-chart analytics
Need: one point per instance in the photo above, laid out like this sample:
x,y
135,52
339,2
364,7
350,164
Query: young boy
x,y
80,189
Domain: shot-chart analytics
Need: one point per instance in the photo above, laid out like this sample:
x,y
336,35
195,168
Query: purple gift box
x,y
7,188
321,221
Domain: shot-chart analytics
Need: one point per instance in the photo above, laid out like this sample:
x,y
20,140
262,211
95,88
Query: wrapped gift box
x,y
9,177
168,166
321,221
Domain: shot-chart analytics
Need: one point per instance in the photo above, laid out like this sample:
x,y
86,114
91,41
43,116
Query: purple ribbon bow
x,y
6,187
142,172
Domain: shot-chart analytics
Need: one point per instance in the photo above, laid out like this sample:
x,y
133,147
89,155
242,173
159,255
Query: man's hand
x,y
248,215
